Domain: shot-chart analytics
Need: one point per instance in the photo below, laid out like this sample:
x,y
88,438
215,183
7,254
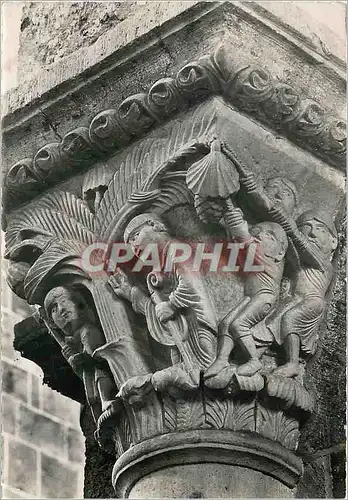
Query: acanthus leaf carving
x,y
216,410
164,96
135,115
106,132
276,425
77,147
190,413
48,162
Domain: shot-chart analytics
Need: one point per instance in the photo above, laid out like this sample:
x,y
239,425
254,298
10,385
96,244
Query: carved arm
x,y
307,254
255,191
236,223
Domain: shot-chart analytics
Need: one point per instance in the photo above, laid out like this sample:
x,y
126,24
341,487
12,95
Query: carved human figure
x,y
68,310
311,241
261,292
178,311
296,321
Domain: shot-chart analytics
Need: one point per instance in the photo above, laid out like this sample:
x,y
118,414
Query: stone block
x,y
22,467
15,381
60,406
43,432
36,388
8,321
76,446
8,492
8,414
57,480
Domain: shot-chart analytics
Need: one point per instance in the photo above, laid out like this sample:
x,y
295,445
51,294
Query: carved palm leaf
x,y
173,193
62,257
127,180
215,412
70,205
277,426
190,413
244,415
60,216
150,158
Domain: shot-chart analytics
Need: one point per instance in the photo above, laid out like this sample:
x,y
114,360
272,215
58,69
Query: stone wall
x,y
46,27
43,446
42,443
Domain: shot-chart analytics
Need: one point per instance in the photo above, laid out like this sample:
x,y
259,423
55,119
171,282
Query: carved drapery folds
x,y
252,90
157,354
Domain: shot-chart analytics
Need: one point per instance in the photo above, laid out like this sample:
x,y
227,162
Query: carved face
x,y
318,234
271,238
281,194
65,310
145,235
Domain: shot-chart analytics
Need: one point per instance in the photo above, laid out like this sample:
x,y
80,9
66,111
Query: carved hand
x,y
120,284
70,348
81,361
279,216
68,352
248,181
164,311
243,170
235,221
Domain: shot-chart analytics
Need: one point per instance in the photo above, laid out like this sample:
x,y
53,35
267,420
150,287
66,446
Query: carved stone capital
x,y
182,365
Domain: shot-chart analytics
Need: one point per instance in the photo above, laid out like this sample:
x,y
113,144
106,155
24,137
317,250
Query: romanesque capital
x,y
184,275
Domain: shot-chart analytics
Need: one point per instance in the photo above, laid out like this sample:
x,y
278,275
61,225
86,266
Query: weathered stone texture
x,y
50,31
59,480
71,94
22,467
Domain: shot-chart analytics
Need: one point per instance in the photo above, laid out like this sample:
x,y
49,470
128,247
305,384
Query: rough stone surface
x,y
45,29
59,480
22,467
208,481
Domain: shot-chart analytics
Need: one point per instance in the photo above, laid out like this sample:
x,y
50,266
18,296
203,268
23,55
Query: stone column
x,y
214,129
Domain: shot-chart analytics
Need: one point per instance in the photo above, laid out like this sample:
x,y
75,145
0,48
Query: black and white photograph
x,y
173,222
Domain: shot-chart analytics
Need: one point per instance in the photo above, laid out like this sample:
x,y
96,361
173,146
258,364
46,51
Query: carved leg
x,y
225,341
254,312
225,346
292,344
254,364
